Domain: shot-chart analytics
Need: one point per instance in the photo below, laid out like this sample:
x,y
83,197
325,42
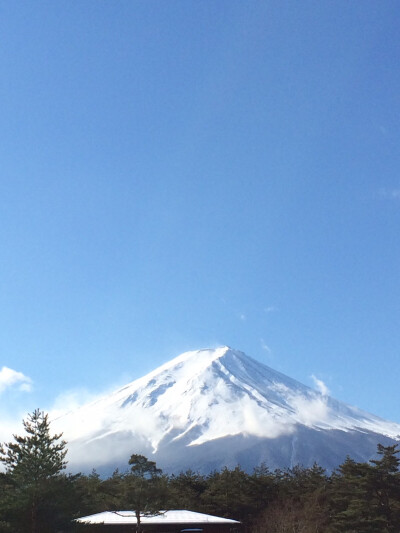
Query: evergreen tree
x,y
34,463
143,489
385,487
93,493
6,502
185,491
351,498
366,496
298,503
229,494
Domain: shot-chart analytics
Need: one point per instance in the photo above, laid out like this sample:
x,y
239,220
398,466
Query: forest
x,y
38,495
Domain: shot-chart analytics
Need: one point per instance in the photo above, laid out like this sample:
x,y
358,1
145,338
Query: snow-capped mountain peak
x,y
208,396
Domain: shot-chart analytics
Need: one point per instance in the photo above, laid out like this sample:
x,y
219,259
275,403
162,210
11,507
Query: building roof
x,y
164,517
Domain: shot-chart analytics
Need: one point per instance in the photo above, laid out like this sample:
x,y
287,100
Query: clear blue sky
x,y
183,174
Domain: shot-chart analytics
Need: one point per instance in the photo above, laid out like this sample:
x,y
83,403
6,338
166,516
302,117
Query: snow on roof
x,y
164,517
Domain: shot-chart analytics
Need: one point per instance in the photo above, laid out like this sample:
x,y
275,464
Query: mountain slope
x,y
210,408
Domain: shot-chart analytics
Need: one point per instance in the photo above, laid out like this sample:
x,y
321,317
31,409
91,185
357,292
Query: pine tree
x,y
351,498
143,489
298,502
366,496
33,465
385,487
185,491
229,493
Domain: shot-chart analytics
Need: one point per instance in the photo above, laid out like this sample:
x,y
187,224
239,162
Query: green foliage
x,y
366,497
142,489
35,494
142,468
185,491
386,487
33,479
229,493
298,502
38,455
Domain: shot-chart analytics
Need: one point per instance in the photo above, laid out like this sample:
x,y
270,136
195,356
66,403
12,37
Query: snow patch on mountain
x,y
206,395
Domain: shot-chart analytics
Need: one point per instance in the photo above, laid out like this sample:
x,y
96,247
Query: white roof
x,y
165,517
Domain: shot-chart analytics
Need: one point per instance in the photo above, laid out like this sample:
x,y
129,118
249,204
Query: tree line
x,y
37,495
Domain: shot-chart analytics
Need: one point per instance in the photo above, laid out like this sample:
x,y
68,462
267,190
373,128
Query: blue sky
x,y
178,175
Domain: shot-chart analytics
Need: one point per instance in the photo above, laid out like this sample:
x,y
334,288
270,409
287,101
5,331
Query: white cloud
x,y
71,400
265,346
320,385
270,309
311,411
11,378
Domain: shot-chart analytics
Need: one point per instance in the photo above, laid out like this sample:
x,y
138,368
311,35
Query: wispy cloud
x,y
310,410
11,378
320,386
265,346
270,309
70,401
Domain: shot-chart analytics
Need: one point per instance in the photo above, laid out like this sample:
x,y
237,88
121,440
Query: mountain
x,y
207,409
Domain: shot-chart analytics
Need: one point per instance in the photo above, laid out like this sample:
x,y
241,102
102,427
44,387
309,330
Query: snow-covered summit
x,y
206,396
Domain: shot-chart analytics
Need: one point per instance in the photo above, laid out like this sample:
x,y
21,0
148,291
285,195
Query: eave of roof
x,y
164,517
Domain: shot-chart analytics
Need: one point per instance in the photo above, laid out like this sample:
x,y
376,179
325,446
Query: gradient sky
x,y
177,175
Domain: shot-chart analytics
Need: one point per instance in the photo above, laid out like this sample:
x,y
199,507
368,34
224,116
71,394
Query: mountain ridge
x,y
189,408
